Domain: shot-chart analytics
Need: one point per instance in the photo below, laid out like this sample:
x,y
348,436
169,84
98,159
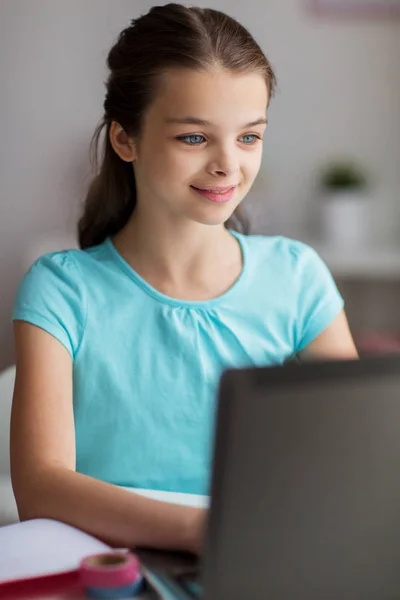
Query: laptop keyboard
x,y
191,585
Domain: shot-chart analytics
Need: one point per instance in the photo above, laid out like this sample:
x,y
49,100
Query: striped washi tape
x,y
112,575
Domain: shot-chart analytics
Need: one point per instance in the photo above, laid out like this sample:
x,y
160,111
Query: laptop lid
x,y
305,495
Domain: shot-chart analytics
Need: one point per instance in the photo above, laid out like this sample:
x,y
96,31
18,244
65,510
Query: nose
x,y
224,163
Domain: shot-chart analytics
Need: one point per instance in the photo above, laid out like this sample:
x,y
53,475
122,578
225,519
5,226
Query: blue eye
x,y
192,140
252,137
197,139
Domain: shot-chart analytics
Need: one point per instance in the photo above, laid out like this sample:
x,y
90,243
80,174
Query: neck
x,y
177,250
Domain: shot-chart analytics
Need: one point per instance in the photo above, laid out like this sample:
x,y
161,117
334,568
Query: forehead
x,y
221,97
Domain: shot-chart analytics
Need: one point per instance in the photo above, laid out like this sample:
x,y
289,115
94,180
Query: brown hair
x,y
167,36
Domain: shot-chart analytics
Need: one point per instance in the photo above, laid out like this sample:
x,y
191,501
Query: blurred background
x,y
331,168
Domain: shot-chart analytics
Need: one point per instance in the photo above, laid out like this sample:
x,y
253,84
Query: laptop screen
x,y
306,484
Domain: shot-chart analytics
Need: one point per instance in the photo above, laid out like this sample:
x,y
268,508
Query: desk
x,y
71,595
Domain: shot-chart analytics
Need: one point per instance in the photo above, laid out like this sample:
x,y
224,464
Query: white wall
x,y
52,55
339,92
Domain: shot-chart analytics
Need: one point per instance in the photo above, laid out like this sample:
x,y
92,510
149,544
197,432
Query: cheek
x,y
156,163
170,163
252,165
180,166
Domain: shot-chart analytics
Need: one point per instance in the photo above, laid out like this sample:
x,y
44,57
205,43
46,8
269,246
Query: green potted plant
x,y
343,186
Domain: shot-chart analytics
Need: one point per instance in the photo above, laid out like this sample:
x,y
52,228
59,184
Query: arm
x,y
44,479
335,342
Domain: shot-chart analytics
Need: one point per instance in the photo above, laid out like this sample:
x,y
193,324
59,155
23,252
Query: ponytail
x,y
111,197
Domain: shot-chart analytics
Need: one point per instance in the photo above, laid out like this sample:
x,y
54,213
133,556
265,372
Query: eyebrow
x,y
204,123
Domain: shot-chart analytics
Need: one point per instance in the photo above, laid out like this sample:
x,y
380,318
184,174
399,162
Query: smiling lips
x,y
216,194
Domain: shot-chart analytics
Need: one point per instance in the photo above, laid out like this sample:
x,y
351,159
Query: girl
x,y
120,345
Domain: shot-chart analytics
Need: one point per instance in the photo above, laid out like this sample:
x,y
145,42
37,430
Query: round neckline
x,y
163,298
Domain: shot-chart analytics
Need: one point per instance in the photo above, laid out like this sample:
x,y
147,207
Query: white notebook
x,y
43,547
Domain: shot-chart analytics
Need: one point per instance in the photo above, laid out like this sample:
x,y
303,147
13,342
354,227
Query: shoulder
x,y
60,278
279,252
61,262
53,295
291,264
301,282
64,265
54,273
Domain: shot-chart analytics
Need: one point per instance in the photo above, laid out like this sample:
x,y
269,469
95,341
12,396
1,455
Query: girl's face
x,y
203,130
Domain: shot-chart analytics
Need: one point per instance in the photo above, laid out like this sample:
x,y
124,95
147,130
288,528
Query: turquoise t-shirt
x,y
146,366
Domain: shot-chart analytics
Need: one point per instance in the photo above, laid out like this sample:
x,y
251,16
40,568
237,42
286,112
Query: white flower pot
x,y
345,219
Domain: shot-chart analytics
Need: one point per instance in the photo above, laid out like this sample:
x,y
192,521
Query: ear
x,y
122,144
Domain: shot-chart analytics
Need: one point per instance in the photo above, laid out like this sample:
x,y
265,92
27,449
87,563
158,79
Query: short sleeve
x,y
51,296
318,299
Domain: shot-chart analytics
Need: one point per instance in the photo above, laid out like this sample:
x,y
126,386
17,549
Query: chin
x,y
212,220
218,215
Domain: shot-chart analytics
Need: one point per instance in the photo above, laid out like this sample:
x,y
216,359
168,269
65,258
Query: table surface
x,y
77,596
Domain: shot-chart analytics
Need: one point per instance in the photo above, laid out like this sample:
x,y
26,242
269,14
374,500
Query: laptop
x,y
305,489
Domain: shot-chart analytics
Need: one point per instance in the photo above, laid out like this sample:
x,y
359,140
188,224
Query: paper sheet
x,y
174,497
42,547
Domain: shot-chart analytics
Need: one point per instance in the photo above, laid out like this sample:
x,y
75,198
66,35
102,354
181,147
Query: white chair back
x,y
7,379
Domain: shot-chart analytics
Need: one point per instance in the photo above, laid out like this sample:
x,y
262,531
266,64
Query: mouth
x,y
217,195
